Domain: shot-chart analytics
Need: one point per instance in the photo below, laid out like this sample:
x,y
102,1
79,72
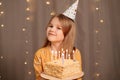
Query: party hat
x,y
71,11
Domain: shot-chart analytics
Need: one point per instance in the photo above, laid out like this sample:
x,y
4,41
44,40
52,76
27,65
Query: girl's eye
x,y
51,26
59,28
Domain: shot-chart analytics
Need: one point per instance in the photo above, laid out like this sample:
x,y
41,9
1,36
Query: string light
x,y
2,12
23,29
28,0
28,9
48,2
2,25
0,3
26,41
97,74
101,21
1,57
52,13
96,63
27,21
29,73
96,31
28,18
97,8
25,62
26,52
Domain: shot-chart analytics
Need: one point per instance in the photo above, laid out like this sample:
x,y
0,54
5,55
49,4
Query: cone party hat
x,y
71,11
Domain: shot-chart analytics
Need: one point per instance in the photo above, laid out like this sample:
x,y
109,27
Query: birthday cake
x,y
60,69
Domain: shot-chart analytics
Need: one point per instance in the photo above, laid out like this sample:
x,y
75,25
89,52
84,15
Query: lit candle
x,y
55,55
62,49
66,53
62,58
68,56
73,55
52,55
59,55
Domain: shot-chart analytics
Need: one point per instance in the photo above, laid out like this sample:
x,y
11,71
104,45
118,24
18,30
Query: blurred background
x,y
22,33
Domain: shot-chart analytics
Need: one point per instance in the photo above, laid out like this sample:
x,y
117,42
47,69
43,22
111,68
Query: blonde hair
x,y
69,31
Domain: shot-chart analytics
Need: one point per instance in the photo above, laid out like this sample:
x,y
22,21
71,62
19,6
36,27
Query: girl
x,y
60,35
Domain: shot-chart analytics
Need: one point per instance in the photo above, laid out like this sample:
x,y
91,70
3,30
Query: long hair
x,y
69,31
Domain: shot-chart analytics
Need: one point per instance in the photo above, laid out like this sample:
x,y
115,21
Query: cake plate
x,y
43,75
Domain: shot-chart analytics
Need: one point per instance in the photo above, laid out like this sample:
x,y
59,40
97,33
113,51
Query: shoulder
x,y
41,51
76,49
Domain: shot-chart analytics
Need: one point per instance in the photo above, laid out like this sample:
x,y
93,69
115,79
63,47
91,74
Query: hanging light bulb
x,y
25,62
28,9
97,74
23,29
1,57
28,0
97,8
48,2
29,72
0,3
101,21
96,31
2,12
2,25
96,63
52,13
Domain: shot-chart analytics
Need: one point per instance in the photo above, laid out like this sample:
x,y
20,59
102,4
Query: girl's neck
x,y
55,47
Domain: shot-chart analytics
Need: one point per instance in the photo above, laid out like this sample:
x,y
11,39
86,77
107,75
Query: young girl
x,y
60,35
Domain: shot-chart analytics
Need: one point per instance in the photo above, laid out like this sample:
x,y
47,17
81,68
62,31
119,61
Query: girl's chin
x,y
52,40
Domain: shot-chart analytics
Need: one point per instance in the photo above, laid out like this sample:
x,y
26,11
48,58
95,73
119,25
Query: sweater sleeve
x,y
37,65
78,57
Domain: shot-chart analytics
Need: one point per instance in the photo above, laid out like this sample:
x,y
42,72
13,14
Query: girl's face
x,y
54,31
